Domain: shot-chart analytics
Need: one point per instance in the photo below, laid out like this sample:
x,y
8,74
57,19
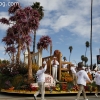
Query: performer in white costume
x,y
73,70
82,77
41,81
97,81
54,64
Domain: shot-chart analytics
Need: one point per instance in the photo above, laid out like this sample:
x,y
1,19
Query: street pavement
x,y
47,97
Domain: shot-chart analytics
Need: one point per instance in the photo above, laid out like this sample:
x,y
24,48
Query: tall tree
x,y
85,60
19,35
43,43
70,48
82,58
87,46
36,6
91,36
64,58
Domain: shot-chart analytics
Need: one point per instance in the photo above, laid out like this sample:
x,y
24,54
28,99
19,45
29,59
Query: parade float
x,y
16,82
19,77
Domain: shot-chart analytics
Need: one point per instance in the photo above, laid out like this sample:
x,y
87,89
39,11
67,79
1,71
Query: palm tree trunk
x,y
34,40
85,52
85,55
30,75
13,58
40,57
91,36
18,55
69,57
18,52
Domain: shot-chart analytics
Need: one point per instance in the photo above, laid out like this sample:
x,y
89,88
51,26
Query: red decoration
x,y
44,42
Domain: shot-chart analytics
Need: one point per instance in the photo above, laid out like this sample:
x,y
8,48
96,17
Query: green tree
x,y
19,34
87,46
85,60
64,58
82,58
70,48
36,6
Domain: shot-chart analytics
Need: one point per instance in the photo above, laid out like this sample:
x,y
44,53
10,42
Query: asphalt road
x,y
4,96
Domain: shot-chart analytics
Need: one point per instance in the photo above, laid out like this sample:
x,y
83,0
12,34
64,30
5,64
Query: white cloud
x,y
71,15
47,4
2,48
46,22
42,32
58,42
3,26
63,21
61,39
4,14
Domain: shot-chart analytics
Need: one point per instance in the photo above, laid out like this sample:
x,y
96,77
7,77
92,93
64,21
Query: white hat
x,y
44,62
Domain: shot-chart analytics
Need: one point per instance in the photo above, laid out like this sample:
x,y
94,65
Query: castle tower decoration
x,y
26,57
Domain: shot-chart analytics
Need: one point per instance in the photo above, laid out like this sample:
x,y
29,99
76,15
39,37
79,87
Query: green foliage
x,y
69,86
70,48
17,81
39,8
22,69
5,81
0,81
4,63
35,67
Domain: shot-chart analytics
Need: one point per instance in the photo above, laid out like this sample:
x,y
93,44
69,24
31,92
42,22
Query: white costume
x,y
88,70
73,70
97,78
54,64
81,81
41,81
97,81
64,65
82,77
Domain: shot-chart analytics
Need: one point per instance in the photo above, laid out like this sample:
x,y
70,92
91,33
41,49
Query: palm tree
x,y
91,36
70,48
36,6
22,30
43,43
85,60
87,45
82,58
64,58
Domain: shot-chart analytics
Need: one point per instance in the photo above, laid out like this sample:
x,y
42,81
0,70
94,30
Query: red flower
x,y
4,21
44,42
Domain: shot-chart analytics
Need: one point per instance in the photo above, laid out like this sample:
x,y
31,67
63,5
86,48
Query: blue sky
x,y
67,22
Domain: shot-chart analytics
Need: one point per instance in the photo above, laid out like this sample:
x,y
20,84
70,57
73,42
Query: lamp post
x,y
91,36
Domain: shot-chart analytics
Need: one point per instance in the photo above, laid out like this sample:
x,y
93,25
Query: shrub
x,y
17,81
